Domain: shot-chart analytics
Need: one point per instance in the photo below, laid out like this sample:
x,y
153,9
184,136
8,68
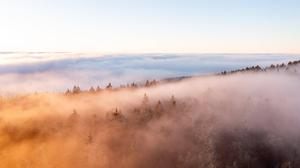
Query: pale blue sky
x,y
138,26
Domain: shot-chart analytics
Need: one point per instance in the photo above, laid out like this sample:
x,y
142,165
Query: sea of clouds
x,y
51,72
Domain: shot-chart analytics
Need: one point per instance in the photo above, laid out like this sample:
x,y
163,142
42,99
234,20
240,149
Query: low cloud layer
x,y
238,120
30,72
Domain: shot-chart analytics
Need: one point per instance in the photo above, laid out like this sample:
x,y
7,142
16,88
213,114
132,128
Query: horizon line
x,y
135,53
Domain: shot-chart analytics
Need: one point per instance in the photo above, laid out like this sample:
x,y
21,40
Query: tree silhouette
x,y
153,82
76,90
173,101
158,109
134,85
109,86
98,89
117,115
147,83
68,92
92,90
145,100
73,118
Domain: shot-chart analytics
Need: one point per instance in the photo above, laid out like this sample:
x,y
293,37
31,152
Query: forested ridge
x,y
228,120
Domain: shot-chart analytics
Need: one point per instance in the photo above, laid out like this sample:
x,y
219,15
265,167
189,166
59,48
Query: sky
x,y
150,26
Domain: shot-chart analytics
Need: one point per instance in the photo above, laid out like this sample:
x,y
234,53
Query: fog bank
x,y
239,120
54,72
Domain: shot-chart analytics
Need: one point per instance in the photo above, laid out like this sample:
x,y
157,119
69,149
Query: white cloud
x,y
58,71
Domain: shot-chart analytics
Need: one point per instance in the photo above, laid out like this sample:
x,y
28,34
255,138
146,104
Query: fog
x,y
238,120
54,72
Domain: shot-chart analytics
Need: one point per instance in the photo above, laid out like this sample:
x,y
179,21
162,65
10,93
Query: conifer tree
x,y
92,90
173,100
76,89
109,86
98,89
145,100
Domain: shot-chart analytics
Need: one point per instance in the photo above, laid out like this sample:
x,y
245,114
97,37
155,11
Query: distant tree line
x,y
109,87
257,68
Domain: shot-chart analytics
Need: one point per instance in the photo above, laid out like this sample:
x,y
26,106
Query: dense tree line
x,y
257,68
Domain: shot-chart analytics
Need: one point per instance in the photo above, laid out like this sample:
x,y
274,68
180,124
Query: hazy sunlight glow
x,y
133,26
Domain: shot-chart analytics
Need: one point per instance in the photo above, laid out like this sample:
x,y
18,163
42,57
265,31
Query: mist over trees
x,y
257,68
237,120
290,67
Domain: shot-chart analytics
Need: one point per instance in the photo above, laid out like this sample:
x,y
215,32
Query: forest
x,y
236,119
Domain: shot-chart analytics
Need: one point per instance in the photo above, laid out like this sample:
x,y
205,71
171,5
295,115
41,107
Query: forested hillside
x,y
232,119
